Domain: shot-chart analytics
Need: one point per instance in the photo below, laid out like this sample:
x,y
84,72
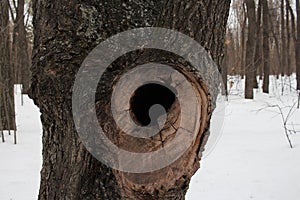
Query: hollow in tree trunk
x,y
65,32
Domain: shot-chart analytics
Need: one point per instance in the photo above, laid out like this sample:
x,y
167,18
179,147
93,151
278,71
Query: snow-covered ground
x,y
251,160
20,164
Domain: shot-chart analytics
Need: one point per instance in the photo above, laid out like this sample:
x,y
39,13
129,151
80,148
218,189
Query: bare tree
x,y
250,68
283,40
289,38
297,45
7,110
224,69
258,46
243,43
266,45
65,32
293,27
20,55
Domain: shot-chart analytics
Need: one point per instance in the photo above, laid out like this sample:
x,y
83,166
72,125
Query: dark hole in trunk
x,y
145,97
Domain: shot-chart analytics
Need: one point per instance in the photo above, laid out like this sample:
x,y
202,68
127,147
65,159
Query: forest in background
x,y
16,40
263,38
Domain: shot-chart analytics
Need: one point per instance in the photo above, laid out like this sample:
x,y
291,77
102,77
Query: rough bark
x,y
250,69
65,32
266,47
7,111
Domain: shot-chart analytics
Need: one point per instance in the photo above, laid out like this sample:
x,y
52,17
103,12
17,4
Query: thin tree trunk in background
x,y
258,52
250,48
224,69
7,109
289,38
283,40
65,32
274,30
266,45
243,49
293,26
20,57
2,133
275,61
297,45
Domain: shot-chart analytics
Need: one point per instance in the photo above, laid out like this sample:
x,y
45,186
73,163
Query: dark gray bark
x,y
65,32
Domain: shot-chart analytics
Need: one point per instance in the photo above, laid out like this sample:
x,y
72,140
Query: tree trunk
x,y
243,34
65,32
297,45
250,68
293,27
258,52
283,41
266,47
224,69
7,110
289,38
20,58
275,50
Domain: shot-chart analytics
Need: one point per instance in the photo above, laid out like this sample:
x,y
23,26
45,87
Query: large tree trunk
x,y
65,32
7,110
250,68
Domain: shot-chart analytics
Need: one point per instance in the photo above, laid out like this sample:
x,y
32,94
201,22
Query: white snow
x,y
251,160
20,164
